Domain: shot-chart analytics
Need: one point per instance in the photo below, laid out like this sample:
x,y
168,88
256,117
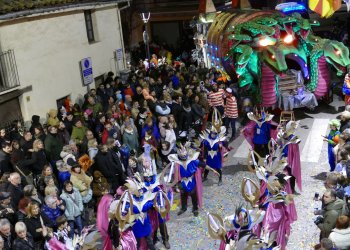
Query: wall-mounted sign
x,y
86,71
119,54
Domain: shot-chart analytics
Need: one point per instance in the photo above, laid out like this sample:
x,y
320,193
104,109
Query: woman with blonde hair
x,y
39,157
24,240
37,224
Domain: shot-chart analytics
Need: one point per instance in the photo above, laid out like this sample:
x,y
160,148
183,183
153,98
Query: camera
x,y
318,220
317,195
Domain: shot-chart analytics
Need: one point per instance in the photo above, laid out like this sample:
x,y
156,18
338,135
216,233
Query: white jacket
x,y
340,238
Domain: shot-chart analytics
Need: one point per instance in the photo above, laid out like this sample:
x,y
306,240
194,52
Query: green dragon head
x,y
337,54
245,52
274,56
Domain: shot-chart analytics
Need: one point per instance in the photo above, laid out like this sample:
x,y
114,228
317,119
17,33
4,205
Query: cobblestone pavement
x,y
189,232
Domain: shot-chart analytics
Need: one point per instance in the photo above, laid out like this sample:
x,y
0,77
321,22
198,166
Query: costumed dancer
x,y
133,208
152,185
236,231
278,218
332,139
290,143
213,140
259,131
185,167
346,87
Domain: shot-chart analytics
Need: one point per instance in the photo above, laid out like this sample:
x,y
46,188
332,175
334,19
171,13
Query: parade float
x,y
273,55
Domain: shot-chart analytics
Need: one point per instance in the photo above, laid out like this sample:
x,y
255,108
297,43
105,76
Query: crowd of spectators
x,y
54,174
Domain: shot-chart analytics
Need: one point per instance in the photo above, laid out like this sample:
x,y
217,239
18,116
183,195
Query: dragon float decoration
x,y
256,48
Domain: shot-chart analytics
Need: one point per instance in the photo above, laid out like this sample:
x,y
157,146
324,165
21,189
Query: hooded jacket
x,y
53,120
341,238
331,212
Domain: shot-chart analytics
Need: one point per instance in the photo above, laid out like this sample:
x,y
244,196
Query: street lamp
x,y
145,18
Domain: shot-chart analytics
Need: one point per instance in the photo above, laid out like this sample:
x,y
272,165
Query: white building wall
x,y
48,50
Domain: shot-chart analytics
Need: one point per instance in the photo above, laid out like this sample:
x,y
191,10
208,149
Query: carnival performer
x,y
290,144
278,218
346,87
121,234
332,139
235,231
152,185
259,131
186,166
213,148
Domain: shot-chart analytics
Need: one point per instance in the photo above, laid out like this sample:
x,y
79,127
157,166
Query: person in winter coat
x,y
81,182
340,235
47,172
109,167
6,234
24,240
331,211
130,137
74,207
92,148
63,134
35,123
36,223
39,157
53,145
15,189
52,210
53,120
78,132
5,158
100,185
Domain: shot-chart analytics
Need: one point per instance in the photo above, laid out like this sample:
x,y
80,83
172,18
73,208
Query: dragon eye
x,y
337,52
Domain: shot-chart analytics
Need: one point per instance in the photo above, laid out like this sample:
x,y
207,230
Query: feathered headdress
x,y
216,121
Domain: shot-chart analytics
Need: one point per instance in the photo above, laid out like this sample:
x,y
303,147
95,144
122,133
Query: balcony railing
x,y
8,71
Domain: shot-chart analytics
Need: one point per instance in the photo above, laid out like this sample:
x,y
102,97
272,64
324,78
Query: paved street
x,y
188,232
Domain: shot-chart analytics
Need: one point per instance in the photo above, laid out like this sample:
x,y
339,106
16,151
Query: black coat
x,y
7,241
40,161
33,223
21,244
110,168
16,195
5,163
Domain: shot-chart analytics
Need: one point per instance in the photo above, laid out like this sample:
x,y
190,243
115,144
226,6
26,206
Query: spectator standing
x,y
5,158
74,207
231,113
24,240
331,211
5,233
52,210
340,235
15,189
216,98
6,210
53,145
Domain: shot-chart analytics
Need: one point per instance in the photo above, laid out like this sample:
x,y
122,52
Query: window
x,y
89,26
8,71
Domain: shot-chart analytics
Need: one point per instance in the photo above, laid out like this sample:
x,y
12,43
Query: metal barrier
x,y
8,71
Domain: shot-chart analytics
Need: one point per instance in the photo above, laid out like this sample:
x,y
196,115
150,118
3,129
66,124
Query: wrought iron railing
x,y
8,71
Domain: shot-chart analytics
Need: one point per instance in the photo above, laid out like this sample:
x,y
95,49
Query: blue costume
x,y
190,178
212,144
331,143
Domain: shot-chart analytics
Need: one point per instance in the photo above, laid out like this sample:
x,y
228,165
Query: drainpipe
x,y
121,32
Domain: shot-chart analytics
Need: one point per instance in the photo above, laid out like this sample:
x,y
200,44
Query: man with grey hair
x,y
5,233
15,189
332,209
